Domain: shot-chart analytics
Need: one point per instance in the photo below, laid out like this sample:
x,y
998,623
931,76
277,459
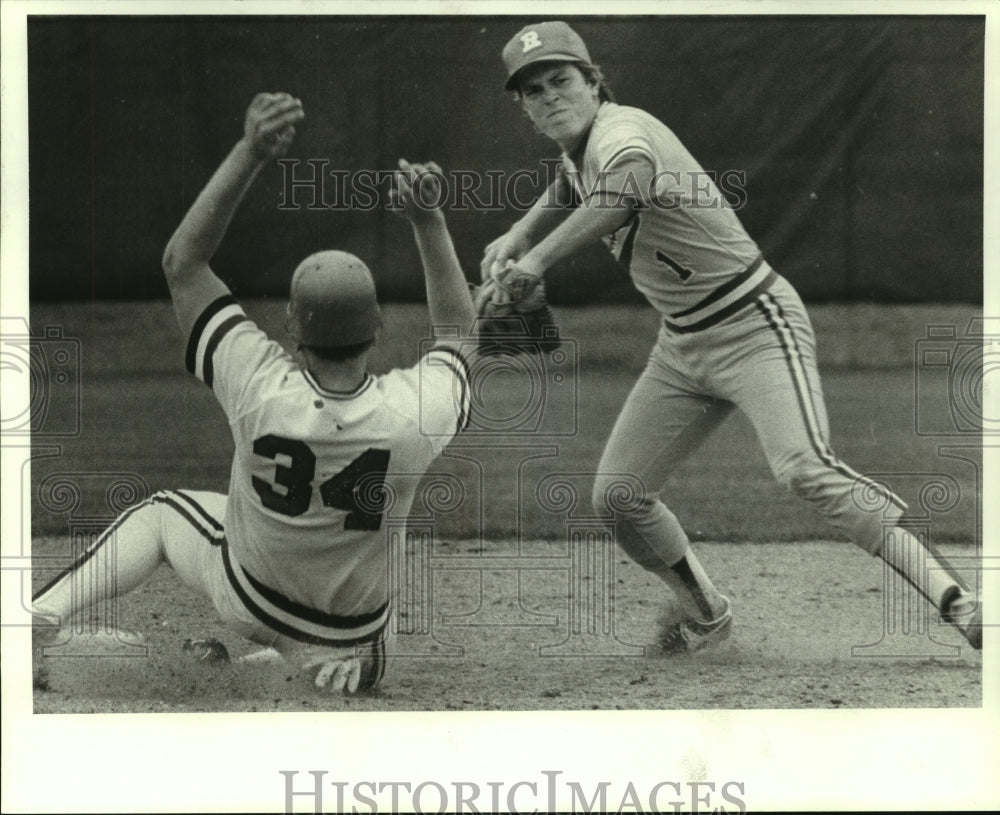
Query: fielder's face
x,y
560,102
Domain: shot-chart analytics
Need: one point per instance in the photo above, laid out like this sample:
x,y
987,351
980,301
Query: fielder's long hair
x,y
593,75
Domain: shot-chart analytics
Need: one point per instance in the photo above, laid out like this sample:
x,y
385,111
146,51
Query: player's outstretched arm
x,y
416,195
588,223
268,130
608,207
551,209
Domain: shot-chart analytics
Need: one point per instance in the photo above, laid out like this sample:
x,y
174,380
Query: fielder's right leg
x,y
662,422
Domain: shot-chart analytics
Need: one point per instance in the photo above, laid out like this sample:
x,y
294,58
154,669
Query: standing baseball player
x,y
734,333
295,558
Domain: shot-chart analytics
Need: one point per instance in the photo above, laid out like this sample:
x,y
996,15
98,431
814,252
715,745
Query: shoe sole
x,y
699,640
973,632
973,629
705,640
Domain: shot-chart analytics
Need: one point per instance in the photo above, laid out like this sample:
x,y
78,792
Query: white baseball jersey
x,y
315,473
685,249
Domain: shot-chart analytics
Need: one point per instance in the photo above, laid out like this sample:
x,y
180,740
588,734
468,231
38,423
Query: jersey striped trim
x,y
199,517
600,186
776,320
628,151
625,256
299,622
329,394
456,362
184,505
724,301
218,318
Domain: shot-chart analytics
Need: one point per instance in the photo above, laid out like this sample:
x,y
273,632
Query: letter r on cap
x,y
529,40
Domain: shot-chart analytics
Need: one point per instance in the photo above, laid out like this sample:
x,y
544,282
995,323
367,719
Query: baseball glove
x,y
513,314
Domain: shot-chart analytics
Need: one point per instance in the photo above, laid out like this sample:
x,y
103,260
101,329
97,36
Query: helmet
x,y
332,301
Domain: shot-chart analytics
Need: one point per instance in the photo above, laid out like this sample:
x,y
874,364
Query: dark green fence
x,y
860,140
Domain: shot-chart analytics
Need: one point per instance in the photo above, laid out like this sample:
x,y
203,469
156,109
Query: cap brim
x,y
511,83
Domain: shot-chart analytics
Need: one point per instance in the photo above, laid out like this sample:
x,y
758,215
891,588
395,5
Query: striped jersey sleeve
x,y
227,351
619,160
452,392
618,141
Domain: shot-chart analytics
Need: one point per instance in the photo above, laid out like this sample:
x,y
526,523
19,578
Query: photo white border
x,y
788,760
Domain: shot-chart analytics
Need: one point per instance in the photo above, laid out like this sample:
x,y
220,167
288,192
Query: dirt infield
x,y
819,696
810,632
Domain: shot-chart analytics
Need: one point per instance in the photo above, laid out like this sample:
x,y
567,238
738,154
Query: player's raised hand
x,y
499,254
269,127
416,192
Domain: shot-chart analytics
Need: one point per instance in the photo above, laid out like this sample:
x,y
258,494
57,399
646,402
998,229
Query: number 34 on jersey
x,y
358,489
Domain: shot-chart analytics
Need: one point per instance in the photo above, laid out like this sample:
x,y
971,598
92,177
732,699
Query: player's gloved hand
x,y
513,316
416,192
339,671
269,126
521,288
511,246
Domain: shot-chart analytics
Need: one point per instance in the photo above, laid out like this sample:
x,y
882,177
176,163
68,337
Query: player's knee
x,y
597,498
148,513
615,495
802,475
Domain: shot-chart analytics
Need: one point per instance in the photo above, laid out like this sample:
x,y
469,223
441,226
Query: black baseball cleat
x,y
693,634
209,651
964,611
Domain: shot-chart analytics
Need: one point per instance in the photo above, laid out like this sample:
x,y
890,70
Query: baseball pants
x,y
761,360
183,528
